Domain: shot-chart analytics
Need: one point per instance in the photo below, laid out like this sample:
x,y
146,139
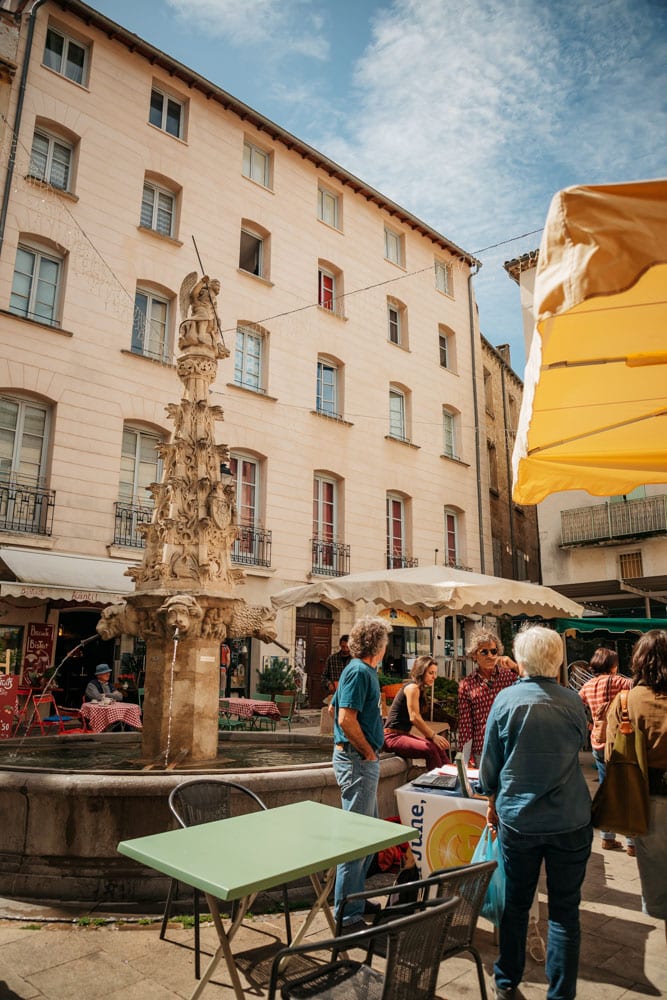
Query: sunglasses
x,y
487,652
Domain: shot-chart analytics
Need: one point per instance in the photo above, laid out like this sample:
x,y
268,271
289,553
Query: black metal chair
x,y
410,972
468,883
205,800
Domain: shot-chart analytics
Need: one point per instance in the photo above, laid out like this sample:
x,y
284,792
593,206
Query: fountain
x,y
60,825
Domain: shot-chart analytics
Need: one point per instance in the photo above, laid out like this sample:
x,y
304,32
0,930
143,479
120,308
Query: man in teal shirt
x,y
358,738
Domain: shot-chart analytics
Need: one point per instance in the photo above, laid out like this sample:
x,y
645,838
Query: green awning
x,y
616,625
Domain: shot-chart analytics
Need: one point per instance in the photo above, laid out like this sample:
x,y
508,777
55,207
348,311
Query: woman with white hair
x,y
541,807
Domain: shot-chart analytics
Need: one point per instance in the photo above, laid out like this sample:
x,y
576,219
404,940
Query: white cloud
x,y
283,27
472,115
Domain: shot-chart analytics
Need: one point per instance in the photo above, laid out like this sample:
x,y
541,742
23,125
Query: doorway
x,y
314,625
73,626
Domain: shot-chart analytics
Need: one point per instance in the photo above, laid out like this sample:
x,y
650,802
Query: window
x,y
639,493
327,388
397,323
450,429
630,565
522,561
326,289
150,329
251,253
443,278
35,286
397,423
24,433
447,348
451,538
140,465
327,207
324,509
256,164
166,113
50,160
393,247
245,471
248,359
493,465
397,557
157,210
488,392
65,56
497,546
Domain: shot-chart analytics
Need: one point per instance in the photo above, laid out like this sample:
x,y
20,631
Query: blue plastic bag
x,y
488,849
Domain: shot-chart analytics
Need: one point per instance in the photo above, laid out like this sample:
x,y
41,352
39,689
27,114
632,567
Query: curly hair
x,y
479,637
368,636
603,660
419,668
649,660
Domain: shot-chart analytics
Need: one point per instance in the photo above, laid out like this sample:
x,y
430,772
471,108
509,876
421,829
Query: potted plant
x,y
277,677
390,686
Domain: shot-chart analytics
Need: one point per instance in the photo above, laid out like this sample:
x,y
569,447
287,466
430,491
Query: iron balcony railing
x,y
607,521
26,509
128,517
399,560
330,558
252,547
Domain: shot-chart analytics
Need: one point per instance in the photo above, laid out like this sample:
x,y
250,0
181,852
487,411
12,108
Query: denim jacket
x,y
530,760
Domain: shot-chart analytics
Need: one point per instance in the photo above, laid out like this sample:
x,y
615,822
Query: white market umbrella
x,y
433,590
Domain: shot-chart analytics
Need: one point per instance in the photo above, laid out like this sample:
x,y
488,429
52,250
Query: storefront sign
x,y
398,617
38,648
9,685
448,826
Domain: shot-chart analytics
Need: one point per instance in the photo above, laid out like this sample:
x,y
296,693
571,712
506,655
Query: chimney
x,y
504,352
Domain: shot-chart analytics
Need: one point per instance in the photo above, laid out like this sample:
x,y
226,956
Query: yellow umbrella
x,y
594,413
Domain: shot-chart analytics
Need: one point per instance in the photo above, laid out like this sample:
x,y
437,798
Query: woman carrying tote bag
x,y
647,708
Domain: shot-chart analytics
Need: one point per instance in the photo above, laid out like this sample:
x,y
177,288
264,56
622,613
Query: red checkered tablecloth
x,y
245,708
100,717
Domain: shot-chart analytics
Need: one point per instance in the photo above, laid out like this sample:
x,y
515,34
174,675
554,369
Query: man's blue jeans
x,y
565,856
358,781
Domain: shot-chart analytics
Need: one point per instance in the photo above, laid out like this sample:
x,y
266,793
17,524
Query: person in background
x,y
601,688
647,708
478,691
358,739
99,688
407,710
540,805
336,664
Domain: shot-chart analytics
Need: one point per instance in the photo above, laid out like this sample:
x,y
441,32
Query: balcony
x,y
252,547
26,509
398,560
606,522
330,558
127,519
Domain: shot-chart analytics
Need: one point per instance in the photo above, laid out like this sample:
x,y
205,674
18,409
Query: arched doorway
x,y
314,623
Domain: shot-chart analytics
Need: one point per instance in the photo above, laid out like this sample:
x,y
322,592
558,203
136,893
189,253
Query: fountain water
x,y
61,827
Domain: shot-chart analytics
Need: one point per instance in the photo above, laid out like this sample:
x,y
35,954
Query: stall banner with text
x,y
9,686
38,648
448,826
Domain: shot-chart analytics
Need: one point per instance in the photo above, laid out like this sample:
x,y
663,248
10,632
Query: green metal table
x,y
234,859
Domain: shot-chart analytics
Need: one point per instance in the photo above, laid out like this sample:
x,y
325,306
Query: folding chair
x,y
204,800
225,720
468,883
45,715
410,942
283,699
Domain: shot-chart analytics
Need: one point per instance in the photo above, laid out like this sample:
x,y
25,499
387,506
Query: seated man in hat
x,y
99,688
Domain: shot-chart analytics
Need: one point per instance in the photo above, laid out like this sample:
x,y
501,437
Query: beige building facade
x,y
349,394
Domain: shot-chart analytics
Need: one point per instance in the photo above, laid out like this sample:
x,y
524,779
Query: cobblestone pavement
x,y
623,953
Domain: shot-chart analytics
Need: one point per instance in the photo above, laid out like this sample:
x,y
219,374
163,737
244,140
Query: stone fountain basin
x,y
60,828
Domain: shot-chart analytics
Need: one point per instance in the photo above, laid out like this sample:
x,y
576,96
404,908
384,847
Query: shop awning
x,y
617,625
42,576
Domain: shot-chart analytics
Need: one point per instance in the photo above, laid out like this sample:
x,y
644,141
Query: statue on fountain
x,y
184,604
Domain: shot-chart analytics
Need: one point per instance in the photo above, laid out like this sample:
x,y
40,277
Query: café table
x,y
100,717
250,708
235,858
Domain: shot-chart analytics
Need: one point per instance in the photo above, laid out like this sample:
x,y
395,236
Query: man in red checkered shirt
x,y
477,692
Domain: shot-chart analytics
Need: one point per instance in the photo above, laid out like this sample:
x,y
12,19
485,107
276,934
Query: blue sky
x,y
469,113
